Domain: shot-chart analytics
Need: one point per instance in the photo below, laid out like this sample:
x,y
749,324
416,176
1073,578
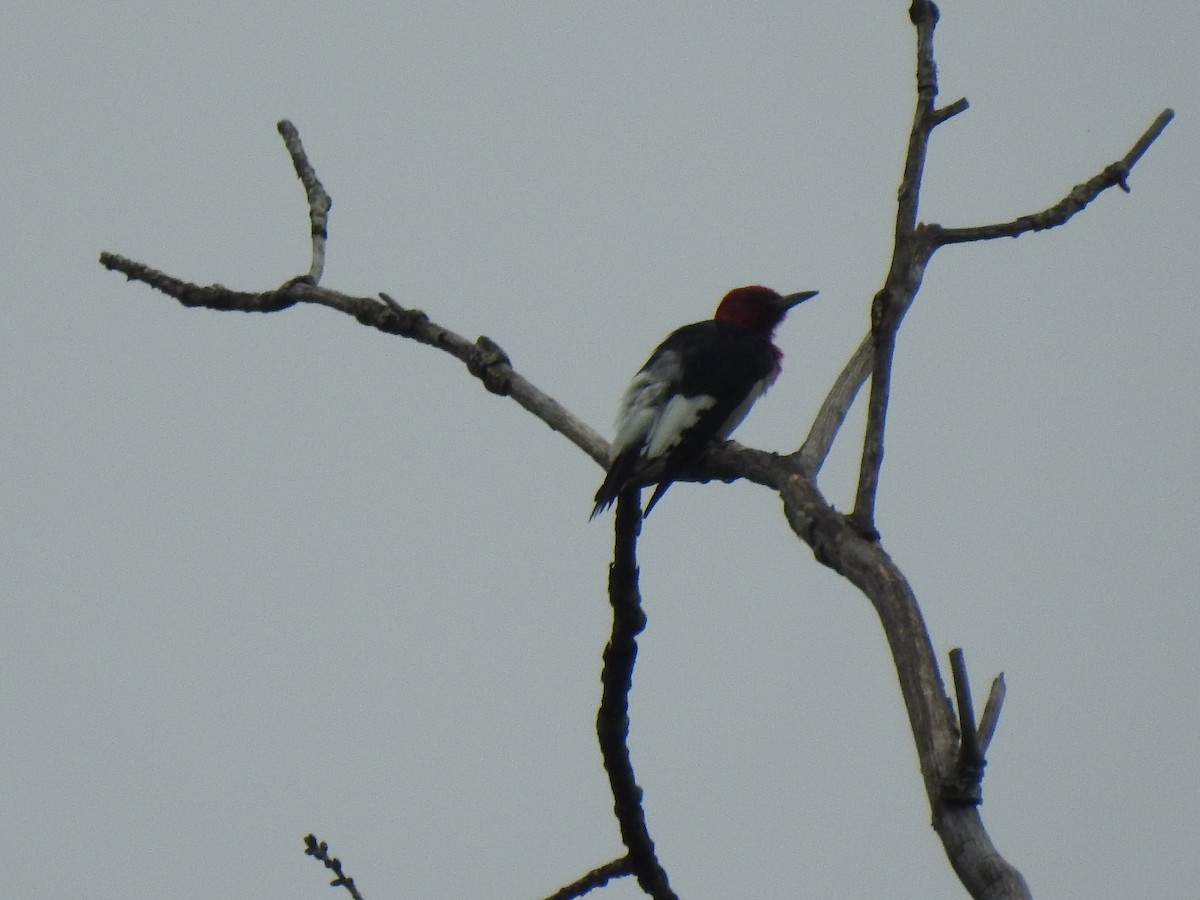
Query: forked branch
x,y
1114,175
907,267
483,357
965,786
915,244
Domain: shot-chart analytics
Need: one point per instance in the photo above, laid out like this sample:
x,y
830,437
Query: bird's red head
x,y
758,307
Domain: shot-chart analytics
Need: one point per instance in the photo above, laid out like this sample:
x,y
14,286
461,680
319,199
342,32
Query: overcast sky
x,y
265,575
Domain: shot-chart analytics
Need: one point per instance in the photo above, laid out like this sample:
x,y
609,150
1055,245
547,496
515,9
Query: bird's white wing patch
x,y
642,404
677,416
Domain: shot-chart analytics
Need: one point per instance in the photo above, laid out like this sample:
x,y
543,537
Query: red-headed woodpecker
x,y
695,388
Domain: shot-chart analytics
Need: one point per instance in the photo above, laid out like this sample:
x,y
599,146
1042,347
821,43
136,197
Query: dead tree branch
x,y
834,409
967,784
991,713
838,543
612,720
320,850
319,202
597,878
927,239
915,244
907,267
483,357
1113,175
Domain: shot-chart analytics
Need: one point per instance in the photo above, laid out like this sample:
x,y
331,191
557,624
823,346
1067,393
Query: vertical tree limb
x,y
319,202
909,257
612,720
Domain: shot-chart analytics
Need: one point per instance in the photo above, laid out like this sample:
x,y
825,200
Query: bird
x,y
695,388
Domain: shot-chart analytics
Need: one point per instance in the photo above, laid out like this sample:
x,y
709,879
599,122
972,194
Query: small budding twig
x,y
991,713
320,850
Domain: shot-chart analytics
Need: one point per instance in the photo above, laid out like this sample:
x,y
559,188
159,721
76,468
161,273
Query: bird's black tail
x,y
620,473
656,496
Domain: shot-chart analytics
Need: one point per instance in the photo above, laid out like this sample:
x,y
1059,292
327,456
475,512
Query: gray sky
x,y
267,575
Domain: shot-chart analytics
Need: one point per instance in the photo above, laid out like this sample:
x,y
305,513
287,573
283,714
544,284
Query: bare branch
x,y
612,720
214,296
482,357
597,878
991,713
1114,175
1143,143
906,270
949,111
966,784
320,850
915,244
833,411
968,736
319,202
884,347
836,542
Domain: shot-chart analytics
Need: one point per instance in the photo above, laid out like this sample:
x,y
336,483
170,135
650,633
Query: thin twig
x,y
991,713
966,709
482,357
597,878
883,344
949,111
967,735
906,270
833,411
966,784
612,719
319,202
213,296
320,850
1114,175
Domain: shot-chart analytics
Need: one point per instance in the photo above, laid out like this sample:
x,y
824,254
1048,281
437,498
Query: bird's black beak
x,y
788,301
